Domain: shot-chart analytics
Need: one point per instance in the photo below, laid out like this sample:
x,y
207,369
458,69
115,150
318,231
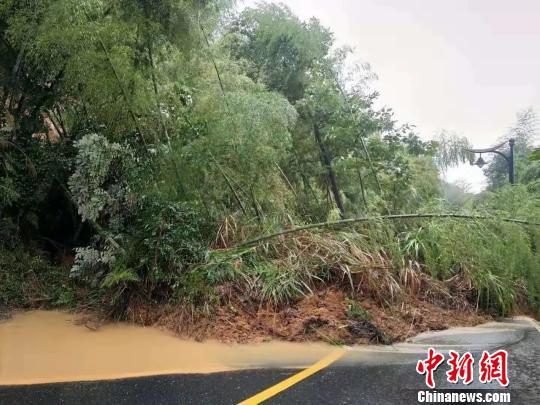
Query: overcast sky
x,y
464,66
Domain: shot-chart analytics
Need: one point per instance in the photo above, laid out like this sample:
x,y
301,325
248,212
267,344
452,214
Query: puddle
x,y
48,346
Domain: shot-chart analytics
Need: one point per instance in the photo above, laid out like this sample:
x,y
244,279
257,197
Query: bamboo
x,y
235,194
363,144
327,162
207,41
156,94
123,90
377,218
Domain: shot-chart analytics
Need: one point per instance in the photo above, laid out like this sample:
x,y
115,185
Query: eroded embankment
x,y
323,316
46,346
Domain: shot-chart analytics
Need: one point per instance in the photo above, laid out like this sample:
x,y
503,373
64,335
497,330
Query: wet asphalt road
x,y
386,378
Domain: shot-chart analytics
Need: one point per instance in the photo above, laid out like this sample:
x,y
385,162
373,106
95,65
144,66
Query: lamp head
x,y
480,162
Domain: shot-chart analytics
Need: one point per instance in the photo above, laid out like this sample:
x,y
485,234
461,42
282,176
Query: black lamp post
x,y
509,159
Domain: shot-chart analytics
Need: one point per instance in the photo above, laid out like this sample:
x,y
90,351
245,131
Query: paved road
x,y
359,377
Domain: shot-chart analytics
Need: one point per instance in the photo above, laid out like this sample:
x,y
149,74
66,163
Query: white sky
x,y
463,66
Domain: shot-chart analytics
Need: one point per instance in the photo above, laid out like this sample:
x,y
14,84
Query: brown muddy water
x,y
49,346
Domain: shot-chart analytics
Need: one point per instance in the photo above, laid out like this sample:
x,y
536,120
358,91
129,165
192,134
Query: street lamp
x,y
509,159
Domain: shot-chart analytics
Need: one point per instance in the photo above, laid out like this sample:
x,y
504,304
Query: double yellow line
x,y
289,382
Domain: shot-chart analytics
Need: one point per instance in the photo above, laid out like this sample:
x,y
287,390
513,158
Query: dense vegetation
x,y
150,139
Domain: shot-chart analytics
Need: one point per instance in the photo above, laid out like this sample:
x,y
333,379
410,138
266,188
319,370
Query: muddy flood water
x,y
48,346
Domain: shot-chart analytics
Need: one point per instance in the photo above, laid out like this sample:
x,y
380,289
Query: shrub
x,y
28,281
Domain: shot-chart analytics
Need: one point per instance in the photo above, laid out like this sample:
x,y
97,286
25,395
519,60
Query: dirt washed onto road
x,y
47,346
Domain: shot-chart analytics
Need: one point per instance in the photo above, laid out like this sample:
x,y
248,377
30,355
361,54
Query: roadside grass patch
x,y
356,311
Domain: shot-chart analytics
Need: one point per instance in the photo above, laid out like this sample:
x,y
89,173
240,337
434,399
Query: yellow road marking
x,y
289,382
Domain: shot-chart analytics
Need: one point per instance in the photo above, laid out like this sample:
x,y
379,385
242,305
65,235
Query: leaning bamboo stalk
x,y
378,218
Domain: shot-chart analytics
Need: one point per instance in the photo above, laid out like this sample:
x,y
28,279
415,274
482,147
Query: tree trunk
x,y
327,161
